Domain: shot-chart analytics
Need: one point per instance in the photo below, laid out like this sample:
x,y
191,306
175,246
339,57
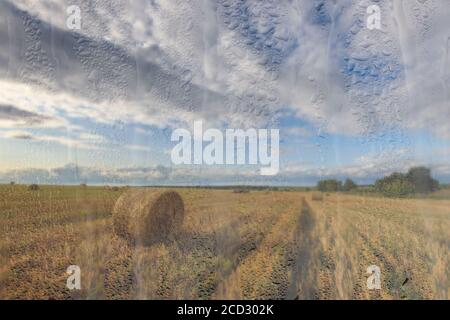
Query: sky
x,y
98,104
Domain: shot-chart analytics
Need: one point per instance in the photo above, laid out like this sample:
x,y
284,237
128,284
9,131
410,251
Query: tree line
x,y
417,180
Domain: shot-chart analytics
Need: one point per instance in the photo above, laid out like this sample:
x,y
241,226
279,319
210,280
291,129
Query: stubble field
x,y
257,245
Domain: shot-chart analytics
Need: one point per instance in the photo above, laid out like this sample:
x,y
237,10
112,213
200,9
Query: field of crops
x,y
256,245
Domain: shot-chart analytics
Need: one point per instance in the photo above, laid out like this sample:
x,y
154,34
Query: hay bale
x,y
33,187
145,217
317,196
241,190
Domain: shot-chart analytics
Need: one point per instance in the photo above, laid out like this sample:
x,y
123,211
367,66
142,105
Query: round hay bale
x,y
33,187
145,217
317,196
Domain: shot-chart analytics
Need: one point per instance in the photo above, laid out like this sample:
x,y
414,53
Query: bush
x,y
397,188
330,185
12,183
349,185
417,180
420,178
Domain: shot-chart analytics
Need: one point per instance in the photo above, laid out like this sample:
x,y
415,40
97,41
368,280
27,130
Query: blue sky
x,y
99,104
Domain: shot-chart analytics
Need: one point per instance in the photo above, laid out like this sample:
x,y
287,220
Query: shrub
x,y
420,178
398,188
417,180
349,185
330,185
394,185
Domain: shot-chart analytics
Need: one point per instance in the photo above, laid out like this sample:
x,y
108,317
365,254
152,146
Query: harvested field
x,y
257,245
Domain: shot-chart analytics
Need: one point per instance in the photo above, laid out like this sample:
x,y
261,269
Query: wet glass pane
x,y
224,149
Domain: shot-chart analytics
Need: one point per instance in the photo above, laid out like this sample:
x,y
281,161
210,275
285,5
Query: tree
x,y
329,185
386,185
420,178
398,187
349,185
416,180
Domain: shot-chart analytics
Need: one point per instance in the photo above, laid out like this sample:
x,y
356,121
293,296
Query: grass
x,y
406,238
256,245
442,194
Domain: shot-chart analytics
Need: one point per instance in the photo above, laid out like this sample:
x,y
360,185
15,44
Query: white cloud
x,y
296,131
71,140
166,64
17,134
170,62
363,171
138,148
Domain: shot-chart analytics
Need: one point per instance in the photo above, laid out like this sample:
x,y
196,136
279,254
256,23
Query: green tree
x,y
398,188
349,185
417,179
420,178
329,185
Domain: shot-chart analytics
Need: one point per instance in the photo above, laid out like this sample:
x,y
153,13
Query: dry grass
x,y
277,245
405,238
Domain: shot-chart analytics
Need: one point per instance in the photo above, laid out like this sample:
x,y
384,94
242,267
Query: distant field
x,y
256,245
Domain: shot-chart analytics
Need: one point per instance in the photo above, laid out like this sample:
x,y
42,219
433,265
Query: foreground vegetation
x,y
257,244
